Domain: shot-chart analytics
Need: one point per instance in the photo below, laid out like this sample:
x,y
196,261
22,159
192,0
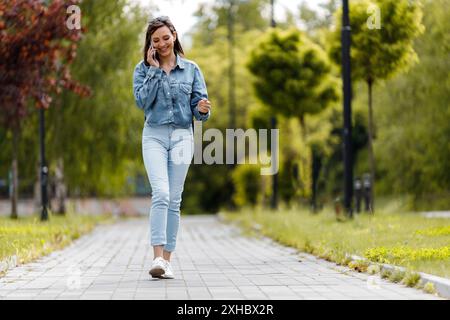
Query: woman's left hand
x,y
204,105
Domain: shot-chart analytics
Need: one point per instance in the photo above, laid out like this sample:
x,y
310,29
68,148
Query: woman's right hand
x,y
151,57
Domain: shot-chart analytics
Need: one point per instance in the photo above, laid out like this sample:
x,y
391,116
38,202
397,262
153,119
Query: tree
x,y
292,76
211,51
95,142
36,49
312,20
383,32
413,119
212,17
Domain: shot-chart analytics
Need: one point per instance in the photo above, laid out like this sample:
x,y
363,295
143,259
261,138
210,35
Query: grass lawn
x,y
28,238
399,238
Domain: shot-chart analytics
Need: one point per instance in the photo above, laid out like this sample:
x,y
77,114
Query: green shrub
x,y
429,287
411,279
386,273
399,253
308,247
373,269
397,276
434,232
247,182
359,265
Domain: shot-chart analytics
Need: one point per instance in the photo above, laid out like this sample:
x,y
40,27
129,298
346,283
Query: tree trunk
x,y
304,160
37,188
371,154
303,126
316,166
60,187
14,175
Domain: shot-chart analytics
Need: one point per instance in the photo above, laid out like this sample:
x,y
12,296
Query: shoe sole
x,y
157,272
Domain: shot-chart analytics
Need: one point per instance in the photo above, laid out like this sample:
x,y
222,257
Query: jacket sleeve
x,y
145,85
199,92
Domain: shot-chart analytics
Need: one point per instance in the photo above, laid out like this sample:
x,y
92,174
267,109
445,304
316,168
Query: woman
x,y
171,90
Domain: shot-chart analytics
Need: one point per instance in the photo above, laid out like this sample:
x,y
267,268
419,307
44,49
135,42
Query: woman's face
x,y
163,41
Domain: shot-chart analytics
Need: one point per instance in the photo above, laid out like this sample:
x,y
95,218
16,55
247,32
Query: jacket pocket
x,y
184,94
186,88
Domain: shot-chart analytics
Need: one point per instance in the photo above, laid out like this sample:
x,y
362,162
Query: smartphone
x,y
155,54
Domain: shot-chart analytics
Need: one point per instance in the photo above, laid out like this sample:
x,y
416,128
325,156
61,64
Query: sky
x,y
181,11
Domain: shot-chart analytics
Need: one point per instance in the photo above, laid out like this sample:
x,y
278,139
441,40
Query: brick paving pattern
x,y
212,261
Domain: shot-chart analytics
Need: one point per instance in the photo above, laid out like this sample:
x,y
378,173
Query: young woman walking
x,y
170,90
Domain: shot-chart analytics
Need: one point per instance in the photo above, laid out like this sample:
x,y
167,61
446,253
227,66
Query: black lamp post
x,y
347,90
273,123
231,89
44,168
231,80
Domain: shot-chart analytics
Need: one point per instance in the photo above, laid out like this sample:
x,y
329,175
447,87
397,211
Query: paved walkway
x,y
212,261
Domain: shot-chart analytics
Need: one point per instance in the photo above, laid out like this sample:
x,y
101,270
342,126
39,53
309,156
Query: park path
x,y
213,260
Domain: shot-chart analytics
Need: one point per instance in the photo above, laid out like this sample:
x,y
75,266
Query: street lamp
x,y
347,91
231,11
231,82
44,168
273,123
43,164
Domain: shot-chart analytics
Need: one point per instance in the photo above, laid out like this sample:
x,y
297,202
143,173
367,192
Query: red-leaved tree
x,y
36,47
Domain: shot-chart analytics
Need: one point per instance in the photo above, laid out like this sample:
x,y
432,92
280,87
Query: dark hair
x,y
152,27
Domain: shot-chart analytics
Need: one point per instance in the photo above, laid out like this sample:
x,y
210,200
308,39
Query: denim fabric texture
x,y
170,98
167,151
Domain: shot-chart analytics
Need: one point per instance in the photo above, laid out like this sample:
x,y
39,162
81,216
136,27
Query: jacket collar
x,y
179,62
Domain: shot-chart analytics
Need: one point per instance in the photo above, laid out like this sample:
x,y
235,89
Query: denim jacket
x,y
170,98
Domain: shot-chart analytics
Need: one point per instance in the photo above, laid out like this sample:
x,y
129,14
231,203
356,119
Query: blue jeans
x,y
167,151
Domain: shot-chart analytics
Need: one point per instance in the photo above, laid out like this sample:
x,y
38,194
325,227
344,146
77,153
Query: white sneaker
x,y
158,268
169,272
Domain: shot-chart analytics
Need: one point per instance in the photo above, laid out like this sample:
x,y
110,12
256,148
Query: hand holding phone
x,y
152,58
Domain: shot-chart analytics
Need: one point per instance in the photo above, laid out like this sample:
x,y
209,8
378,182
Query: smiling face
x,y
163,41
